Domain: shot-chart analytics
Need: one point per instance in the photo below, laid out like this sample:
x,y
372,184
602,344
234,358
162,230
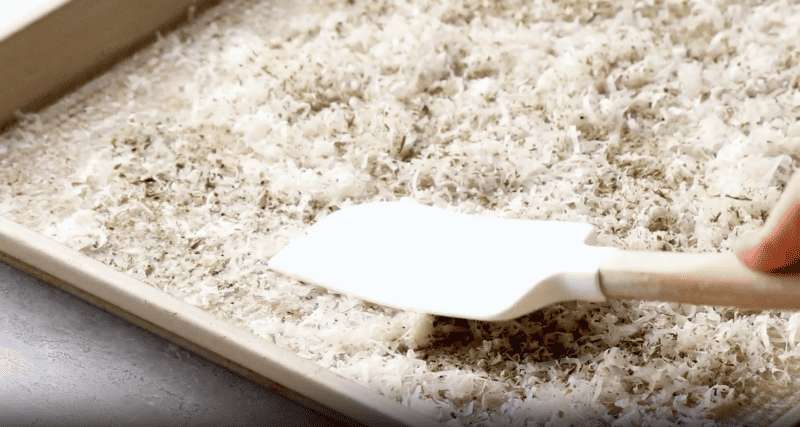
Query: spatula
x,y
428,260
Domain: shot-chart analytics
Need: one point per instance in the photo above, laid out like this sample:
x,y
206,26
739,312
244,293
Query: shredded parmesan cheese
x,y
670,125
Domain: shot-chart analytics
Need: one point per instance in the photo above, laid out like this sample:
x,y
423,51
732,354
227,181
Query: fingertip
x,y
753,258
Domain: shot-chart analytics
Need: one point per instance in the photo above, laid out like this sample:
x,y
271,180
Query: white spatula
x,y
429,260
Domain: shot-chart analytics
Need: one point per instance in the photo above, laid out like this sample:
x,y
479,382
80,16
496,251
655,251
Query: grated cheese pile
x,y
670,125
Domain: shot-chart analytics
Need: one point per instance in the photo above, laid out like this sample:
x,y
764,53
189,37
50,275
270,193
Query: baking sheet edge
x,y
199,331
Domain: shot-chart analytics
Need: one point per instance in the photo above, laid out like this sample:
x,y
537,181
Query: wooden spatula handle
x,y
706,279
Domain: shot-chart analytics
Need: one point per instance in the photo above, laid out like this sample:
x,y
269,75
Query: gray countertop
x,y
65,362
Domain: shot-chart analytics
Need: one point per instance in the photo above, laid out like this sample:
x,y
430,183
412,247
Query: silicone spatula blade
x,y
429,260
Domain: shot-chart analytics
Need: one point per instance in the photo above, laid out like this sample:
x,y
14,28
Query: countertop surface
x,y
65,362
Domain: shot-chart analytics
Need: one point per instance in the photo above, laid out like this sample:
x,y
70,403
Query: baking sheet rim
x,y
196,329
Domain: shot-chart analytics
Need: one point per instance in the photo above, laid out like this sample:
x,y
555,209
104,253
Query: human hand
x,y
774,248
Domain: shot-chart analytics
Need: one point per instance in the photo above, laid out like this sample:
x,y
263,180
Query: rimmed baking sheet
x,y
484,116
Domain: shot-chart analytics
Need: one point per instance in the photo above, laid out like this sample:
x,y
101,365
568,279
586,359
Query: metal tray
x,y
51,47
